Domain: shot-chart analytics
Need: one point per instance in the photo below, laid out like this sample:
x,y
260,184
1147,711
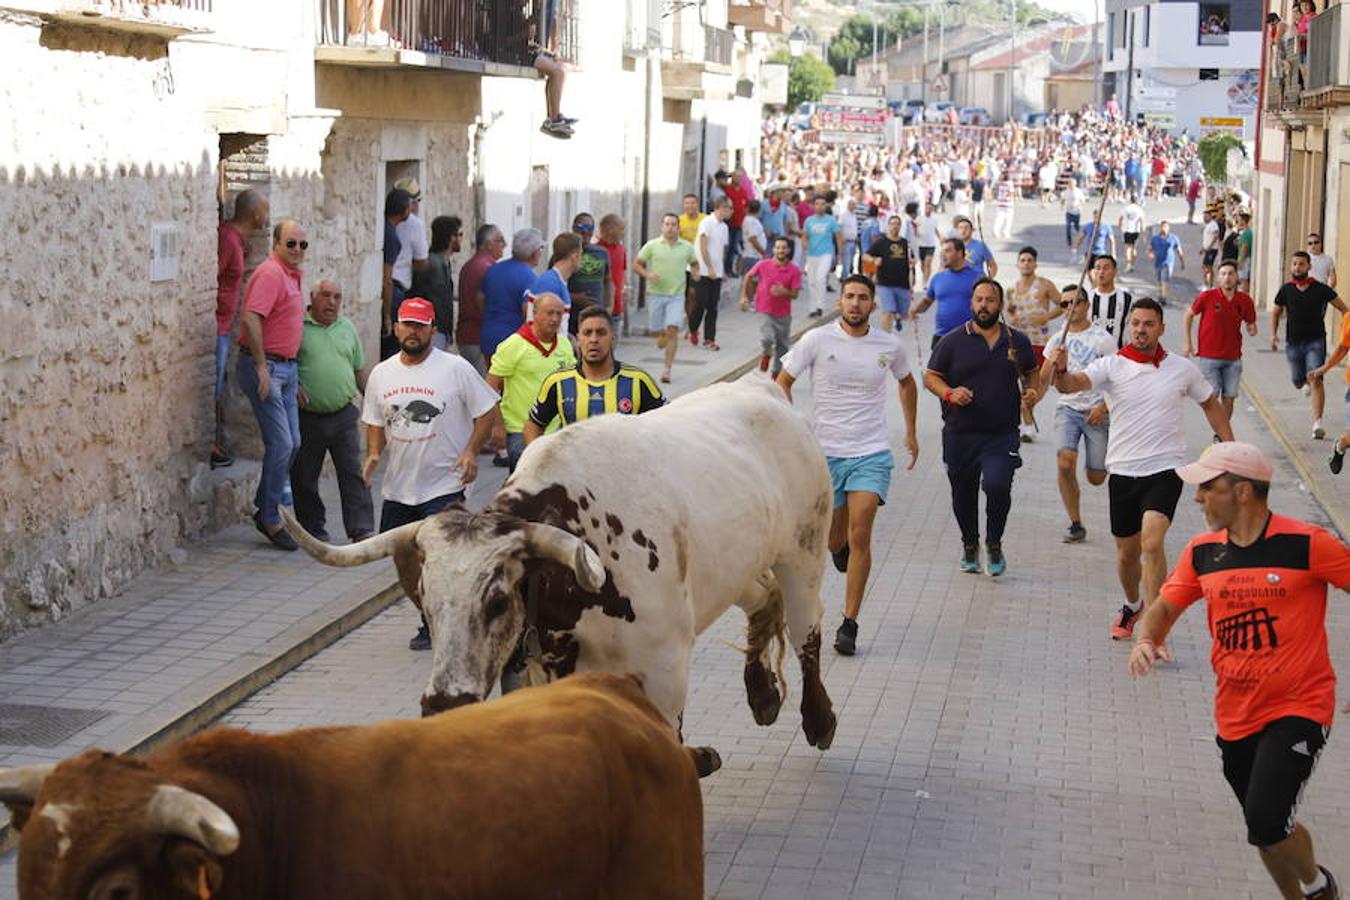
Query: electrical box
x,y
164,252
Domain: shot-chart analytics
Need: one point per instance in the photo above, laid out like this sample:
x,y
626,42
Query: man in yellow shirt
x,y
522,362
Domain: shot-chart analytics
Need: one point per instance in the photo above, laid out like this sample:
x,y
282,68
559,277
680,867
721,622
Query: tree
x,y
808,77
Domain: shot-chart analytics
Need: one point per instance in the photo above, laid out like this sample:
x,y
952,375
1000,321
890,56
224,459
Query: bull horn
x,y
182,813
358,554
547,542
21,786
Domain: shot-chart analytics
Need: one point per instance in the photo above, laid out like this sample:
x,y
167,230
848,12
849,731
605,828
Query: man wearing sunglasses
x,y
269,342
1079,415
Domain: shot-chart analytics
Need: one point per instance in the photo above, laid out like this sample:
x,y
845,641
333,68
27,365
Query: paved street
x,y
990,743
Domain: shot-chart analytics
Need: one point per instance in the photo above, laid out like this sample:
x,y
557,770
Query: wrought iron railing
x,y
501,31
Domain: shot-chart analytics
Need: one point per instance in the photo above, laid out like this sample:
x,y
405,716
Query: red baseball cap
x,y
1229,458
417,310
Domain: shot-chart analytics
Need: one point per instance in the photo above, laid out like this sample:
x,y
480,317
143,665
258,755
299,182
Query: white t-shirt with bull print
x,y
427,412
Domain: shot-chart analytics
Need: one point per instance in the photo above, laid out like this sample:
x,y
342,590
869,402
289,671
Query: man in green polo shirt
x,y
662,262
522,362
332,373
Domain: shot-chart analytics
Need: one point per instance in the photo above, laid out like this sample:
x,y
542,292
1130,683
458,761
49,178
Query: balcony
x,y
1328,79
485,37
159,18
768,16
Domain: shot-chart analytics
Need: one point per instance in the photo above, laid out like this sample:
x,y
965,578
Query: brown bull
x,y
574,790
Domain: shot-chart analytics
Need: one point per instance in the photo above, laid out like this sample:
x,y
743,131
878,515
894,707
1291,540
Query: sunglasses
x,y
291,244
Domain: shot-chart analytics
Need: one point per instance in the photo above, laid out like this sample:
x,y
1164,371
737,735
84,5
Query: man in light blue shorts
x,y
1079,416
849,362
663,262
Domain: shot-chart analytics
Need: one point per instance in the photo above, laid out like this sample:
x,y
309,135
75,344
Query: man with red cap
x,y
1264,580
433,412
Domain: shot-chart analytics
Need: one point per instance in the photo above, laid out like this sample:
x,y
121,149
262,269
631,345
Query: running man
x,y
664,263
1264,581
1145,388
983,372
1305,338
1079,416
848,364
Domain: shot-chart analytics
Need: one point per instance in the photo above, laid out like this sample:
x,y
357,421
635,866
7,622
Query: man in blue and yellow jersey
x,y
597,386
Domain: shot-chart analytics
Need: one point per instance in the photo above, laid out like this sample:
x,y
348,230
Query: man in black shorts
x,y
1145,389
1264,580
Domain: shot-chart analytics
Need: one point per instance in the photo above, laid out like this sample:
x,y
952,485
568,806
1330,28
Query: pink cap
x,y
415,309
1229,458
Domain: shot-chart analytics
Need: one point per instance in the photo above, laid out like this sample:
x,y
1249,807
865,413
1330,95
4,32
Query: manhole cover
x,y
22,725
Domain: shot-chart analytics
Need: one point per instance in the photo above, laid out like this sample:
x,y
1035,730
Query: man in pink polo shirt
x,y
775,283
269,341
250,214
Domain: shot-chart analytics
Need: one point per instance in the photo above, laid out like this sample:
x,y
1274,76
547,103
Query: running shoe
x,y
1318,431
1075,533
1122,626
846,638
764,362
840,558
1337,459
970,558
996,563
1328,891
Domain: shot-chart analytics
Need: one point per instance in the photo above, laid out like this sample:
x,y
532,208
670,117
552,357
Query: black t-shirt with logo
x,y
1306,310
894,255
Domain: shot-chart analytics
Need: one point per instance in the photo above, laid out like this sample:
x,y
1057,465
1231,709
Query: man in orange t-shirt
x,y
1264,580
1343,347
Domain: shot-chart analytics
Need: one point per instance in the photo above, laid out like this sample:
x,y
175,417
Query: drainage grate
x,y
23,725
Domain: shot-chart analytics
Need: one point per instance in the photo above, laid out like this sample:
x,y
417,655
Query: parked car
x,y
911,111
1035,119
976,115
801,119
937,113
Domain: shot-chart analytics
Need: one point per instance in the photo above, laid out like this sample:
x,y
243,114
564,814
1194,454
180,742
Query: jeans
x,y
707,295
278,417
1071,227
975,461
336,433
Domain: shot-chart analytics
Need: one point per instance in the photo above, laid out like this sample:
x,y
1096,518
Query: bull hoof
x,y
706,760
817,737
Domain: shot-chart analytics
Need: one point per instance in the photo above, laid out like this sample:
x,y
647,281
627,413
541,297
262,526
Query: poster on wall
x,y
1244,92
1214,24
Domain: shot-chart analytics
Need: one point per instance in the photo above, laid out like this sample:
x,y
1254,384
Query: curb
x,y
292,647
1295,456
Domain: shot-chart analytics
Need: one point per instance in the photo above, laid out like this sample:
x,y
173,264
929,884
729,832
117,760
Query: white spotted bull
x,y
635,533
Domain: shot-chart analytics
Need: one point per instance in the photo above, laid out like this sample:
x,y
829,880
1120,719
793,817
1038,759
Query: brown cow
x,y
574,790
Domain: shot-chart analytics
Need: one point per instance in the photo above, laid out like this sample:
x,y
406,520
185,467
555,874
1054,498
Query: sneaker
x,y
997,563
711,345
846,638
1075,533
220,457
970,558
421,640
764,362
1337,460
693,337
1318,431
1122,626
1328,891
840,558
281,538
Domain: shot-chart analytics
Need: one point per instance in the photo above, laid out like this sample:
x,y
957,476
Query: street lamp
x,y
797,41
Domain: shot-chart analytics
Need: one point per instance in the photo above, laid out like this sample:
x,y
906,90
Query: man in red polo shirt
x,y
269,342
1223,311
1264,580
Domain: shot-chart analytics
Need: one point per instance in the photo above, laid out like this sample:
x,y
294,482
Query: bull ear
x,y
19,789
547,542
175,811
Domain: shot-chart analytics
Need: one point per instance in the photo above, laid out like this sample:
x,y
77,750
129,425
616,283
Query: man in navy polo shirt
x,y
951,289
984,371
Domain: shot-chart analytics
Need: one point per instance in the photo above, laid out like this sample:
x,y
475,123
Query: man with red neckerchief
x,y
1264,581
1145,389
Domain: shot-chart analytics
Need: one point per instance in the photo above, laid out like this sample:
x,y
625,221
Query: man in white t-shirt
x,y
433,412
1320,265
1131,225
1145,388
1079,416
412,236
849,362
710,245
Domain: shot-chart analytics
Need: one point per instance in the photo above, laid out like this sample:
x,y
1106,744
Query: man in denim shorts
x,y
1081,415
1223,311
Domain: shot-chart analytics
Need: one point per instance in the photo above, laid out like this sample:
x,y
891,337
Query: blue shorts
x,y
1304,356
861,473
666,311
1222,374
1071,425
894,300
